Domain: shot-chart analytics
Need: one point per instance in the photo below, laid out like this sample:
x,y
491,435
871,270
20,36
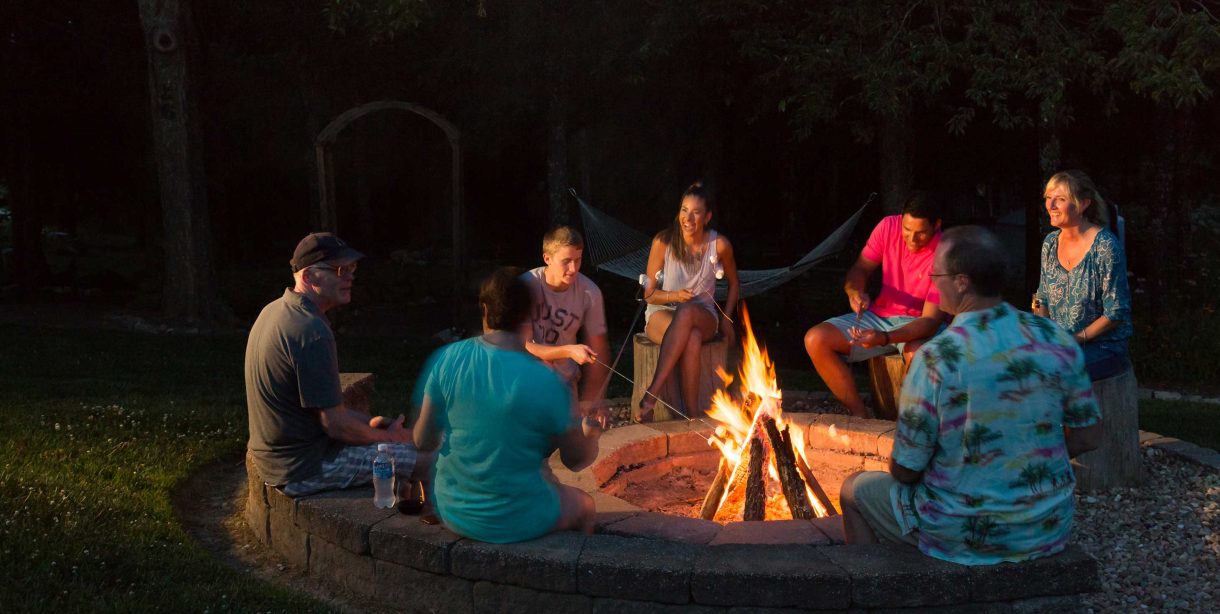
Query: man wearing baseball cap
x,y
302,437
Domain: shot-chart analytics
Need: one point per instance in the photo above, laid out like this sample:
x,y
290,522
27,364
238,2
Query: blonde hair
x,y
1081,188
560,237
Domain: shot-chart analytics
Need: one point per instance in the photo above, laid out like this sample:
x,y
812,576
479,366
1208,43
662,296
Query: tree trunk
x,y
16,107
897,176
557,162
189,288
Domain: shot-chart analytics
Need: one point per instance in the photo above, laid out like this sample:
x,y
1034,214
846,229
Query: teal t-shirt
x,y
501,412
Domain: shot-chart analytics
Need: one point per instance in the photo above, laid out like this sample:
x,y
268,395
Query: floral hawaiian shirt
x,y
982,414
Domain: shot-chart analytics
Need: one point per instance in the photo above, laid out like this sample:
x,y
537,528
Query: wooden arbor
x,y
326,217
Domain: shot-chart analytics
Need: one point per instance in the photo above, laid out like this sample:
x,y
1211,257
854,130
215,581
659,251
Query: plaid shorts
x,y
353,466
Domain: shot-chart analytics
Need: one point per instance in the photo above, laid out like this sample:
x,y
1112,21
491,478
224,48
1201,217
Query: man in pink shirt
x,y
904,314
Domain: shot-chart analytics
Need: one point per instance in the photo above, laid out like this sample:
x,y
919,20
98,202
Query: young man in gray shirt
x,y
567,303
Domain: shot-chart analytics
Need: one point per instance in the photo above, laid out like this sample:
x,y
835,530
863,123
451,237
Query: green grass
x,y
1194,422
96,429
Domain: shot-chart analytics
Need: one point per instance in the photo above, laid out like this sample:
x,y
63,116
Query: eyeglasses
x,y
343,270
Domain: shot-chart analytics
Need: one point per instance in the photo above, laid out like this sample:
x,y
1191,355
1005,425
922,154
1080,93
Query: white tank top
x,y
699,276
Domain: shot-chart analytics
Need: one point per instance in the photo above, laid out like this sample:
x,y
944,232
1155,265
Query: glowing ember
x,y
740,417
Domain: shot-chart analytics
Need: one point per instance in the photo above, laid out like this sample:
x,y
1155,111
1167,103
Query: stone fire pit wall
x,y
641,561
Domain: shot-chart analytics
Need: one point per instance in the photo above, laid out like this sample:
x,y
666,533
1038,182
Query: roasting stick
x,y
659,399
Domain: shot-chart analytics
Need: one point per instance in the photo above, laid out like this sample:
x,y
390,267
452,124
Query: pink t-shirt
x,y
905,284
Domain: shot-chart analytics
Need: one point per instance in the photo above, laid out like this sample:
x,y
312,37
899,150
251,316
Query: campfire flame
x,y
738,421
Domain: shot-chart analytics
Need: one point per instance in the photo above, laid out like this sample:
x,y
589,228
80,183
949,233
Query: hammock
x,y
623,250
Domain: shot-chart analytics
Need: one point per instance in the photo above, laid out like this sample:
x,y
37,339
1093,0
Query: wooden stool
x,y
885,378
1116,462
713,354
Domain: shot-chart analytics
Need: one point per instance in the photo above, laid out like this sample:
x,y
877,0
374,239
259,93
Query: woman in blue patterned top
x,y
1084,274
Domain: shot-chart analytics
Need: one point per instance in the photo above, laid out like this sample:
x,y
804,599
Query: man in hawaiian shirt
x,y
991,412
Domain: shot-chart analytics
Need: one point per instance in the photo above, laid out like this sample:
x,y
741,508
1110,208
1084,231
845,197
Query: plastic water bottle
x,y
383,477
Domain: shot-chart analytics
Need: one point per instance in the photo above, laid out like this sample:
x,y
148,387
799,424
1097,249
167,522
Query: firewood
x,y
711,502
789,476
756,493
815,486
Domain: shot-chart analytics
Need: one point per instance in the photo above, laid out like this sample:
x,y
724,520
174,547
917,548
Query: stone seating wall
x,y
640,561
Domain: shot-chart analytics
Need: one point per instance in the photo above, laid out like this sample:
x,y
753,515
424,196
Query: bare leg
x,y
855,527
689,321
688,376
576,510
908,353
827,347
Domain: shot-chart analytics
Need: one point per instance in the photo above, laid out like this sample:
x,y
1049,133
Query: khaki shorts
x,y
872,490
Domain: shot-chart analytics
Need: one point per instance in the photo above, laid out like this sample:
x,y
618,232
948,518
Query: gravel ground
x,y
1159,544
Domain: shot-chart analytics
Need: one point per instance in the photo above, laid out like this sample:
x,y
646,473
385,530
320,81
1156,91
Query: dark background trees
x,y
794,111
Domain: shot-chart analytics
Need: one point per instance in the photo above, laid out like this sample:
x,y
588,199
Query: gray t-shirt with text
x,y
559,314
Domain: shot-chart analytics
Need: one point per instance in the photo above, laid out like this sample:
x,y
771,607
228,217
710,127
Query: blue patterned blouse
x,y
1096,287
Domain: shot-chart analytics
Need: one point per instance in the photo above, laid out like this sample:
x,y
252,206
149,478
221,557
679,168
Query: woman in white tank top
x,y
682,312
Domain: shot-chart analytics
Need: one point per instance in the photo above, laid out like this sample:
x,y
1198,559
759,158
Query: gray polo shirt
x,y
292,372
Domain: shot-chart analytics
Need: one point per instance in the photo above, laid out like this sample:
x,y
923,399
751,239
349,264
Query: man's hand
x,y
867,337
860,302
394,427
581,353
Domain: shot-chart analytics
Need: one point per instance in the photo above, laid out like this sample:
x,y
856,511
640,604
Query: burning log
x,y
711,502
815,486
789,476
756,492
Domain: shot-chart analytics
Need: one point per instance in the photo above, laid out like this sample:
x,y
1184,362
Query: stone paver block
x,y
547,563
604,605
605,503
706,461
257,517
847,434
650,471
493,598
584,479
1187,451
885,575
1070,572
357,390
254,482
630,568
885,443
405,540
342,517
655,525
798,420
1145,436
1048,605
605,518
411,590
341,567
770,576
625,446
831,527
684,437
770,532
821,436
875,464
287,539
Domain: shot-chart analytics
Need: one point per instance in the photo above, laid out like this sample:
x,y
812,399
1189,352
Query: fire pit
x,y
644,560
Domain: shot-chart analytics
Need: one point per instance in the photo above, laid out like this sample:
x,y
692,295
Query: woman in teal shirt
x,y
502,413
1084,275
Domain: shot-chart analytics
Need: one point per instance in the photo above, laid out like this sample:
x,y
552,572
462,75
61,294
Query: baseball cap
x,y
320,247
